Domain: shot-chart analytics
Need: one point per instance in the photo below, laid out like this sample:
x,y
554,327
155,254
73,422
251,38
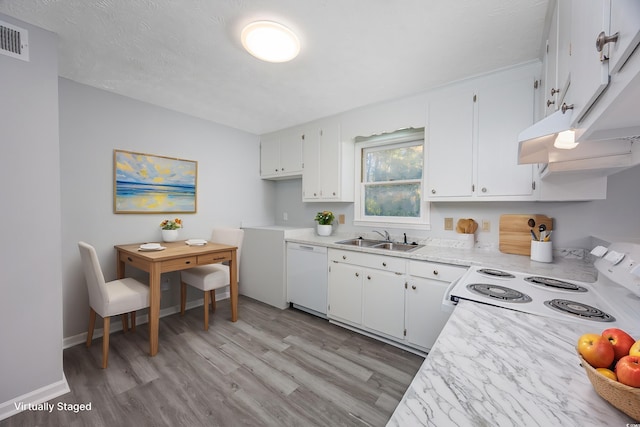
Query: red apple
x,y
635,349
620,340
596,350
628,371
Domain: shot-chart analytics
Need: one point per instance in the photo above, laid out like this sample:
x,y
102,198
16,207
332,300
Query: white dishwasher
x,y
307,277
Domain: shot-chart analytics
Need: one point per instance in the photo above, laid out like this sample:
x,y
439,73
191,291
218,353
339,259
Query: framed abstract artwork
x,y
145,183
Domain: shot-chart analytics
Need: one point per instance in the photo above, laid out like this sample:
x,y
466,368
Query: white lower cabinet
x,y
345,292
383,302
424,317
391,297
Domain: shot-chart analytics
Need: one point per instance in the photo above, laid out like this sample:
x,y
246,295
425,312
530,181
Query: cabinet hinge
x,y
475,98
321,132
405,332
473,188
533,185
535,84
302,136
329,269
406,286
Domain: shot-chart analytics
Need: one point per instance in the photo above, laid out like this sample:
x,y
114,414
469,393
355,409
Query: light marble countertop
x,y
497,367
567,264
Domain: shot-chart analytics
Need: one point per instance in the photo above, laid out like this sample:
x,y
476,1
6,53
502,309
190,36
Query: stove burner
x,y
496,273
581,310
548,282
499,292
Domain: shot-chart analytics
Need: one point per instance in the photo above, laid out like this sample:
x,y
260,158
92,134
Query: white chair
x,y
208,278
108,299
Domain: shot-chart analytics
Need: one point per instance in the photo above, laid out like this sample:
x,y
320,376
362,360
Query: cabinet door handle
x,y
566,107
484,189
357,274
550,103
433,191
413,287
554,91
435,272
368,277
603,39
384,264
344,257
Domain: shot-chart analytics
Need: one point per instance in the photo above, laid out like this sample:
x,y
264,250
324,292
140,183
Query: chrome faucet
x,y
386,235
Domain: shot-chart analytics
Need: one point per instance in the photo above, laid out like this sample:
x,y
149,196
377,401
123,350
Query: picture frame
x,y
148,183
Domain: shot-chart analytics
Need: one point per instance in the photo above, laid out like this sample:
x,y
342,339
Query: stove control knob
x,y
599,251
614,257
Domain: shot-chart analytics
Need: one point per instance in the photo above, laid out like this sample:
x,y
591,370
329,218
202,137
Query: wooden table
x,y
177,256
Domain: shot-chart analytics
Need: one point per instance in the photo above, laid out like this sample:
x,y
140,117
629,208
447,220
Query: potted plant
x,y
324,219
170,228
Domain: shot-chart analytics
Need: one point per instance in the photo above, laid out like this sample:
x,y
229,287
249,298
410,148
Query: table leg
x,y
154,308
233,286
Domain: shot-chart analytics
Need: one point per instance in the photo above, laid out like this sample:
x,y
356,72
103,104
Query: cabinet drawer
x,y
178,264
214,258
380,262
134,261
437,271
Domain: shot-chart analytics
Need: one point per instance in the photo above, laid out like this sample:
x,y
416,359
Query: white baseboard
x,y
140,320
41,395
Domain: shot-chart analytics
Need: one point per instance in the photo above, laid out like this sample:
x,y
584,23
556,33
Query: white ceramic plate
x,y
151,247
196,242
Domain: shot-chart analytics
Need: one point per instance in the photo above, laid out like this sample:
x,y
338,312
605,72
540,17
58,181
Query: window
x,y
391,174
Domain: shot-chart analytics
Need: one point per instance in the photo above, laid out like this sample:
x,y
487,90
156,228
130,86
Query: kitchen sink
x,y
365,243
400,247
380,244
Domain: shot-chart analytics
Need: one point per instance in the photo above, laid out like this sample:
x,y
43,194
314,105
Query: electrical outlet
x,y
341,219
448,223
486,225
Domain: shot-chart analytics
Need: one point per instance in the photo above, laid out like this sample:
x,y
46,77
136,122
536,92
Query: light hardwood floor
x,y
271,368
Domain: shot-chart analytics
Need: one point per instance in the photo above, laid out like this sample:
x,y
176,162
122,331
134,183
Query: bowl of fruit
x,y
612,363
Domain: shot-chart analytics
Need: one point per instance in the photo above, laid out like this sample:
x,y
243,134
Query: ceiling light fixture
x,y
270,41
566,140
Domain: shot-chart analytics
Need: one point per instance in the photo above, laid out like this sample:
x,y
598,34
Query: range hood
x,y
536,145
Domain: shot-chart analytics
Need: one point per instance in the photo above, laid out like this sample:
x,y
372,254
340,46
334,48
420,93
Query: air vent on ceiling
x,y
14,41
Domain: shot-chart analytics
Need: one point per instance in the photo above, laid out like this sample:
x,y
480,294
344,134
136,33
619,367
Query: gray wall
x,y
616,217
92,124
30,273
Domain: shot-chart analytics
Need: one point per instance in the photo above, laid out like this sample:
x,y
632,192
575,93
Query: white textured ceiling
x,y
186,55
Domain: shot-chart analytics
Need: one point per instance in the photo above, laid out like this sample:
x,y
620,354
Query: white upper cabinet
x,y
449,140
625,22
589,69
472,142
556,59
281,155
328,164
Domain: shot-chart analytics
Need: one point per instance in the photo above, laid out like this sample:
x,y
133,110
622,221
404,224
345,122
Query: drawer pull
x,y
384,264
129,259
435,272
357,274
188,262
344,257
369,277
413,287
219,258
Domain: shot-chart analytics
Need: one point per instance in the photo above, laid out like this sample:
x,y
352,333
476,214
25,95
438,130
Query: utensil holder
x,y
541,251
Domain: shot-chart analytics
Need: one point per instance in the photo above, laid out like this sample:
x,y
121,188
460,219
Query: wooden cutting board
x,y
515,233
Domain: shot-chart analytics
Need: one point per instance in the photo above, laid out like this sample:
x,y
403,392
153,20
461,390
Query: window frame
x,y
406,137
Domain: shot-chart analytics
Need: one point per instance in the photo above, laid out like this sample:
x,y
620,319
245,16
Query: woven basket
x,y
623,397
